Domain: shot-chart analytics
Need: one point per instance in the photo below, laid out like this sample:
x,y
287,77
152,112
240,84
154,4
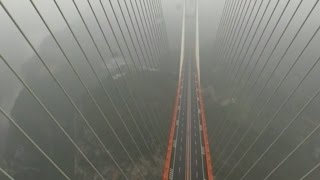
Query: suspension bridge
x,y
90,89
188,155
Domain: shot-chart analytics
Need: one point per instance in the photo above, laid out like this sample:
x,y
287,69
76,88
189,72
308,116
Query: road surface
x,y
188,158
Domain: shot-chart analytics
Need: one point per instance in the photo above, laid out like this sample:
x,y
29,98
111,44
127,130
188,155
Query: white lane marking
x,y
171,174
177,136
195,142
196,162
180,158
197,174
179,169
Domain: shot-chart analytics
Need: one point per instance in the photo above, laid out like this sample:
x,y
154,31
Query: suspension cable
x,y
255,48
274,27
221,53
230,29
109,124
133,119
127,129
139,30
275,116
225,29
152,57
147,25
236,32
150,22
258,42
222,24
124,79
256,30
217,39
163,51
78,76
267,42
264,87
225,120
164,27
217,170
282,80
219,122
128,50
301,142
130,35
233,91
156,27
30,140
270,35
291,94
6,174
217,43
146,33
312,169
45,109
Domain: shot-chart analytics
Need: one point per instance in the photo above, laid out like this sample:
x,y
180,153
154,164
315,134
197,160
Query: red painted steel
x,y
166,169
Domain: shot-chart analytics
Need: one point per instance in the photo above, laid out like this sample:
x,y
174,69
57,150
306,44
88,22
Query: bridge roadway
x,y
188,158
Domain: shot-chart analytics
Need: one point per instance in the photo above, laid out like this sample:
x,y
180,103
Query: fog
x,y
261,99
98,105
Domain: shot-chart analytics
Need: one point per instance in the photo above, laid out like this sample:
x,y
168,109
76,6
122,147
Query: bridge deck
x,y
186,158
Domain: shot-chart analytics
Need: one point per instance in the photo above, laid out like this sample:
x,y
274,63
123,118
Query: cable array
x,y
252,49
145,47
